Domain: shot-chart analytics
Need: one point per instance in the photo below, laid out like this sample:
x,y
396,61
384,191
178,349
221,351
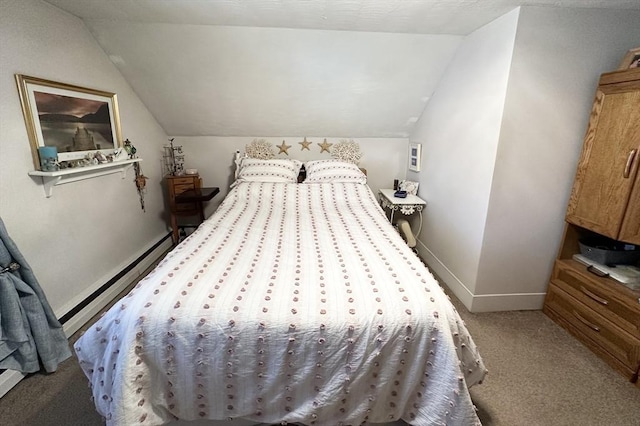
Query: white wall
x,y
87,231
498,173
558,58
459,134
383,158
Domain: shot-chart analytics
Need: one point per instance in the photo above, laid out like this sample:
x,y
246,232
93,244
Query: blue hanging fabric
x,y
31,337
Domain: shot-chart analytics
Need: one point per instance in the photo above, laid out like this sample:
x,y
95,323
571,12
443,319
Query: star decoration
x,y
283,148
324,146
305,145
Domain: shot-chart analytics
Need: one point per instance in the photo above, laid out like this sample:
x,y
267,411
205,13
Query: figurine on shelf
x,y
131,150
119,154
100,157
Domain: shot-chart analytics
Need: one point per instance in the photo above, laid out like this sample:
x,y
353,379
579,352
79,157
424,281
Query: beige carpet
x,y
538,375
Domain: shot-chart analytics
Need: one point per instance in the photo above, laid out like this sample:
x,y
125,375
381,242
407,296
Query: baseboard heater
x,y
78,316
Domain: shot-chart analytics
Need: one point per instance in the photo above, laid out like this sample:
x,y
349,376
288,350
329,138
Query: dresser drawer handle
x,y
585,322
597,272
627,167
598,299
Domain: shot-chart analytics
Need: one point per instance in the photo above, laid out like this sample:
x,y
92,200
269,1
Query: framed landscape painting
x,y
77,121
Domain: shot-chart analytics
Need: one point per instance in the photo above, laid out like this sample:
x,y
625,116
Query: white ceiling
x,y
289,67
459,17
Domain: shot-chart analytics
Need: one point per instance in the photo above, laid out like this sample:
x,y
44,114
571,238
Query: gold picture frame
x,y
630,60
78,121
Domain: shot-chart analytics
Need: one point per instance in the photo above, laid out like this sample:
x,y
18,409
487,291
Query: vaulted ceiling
x,y
342,68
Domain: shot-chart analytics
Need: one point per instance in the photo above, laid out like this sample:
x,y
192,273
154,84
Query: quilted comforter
x,y
292,303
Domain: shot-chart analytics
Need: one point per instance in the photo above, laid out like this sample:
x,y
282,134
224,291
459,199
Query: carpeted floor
x,y
538,375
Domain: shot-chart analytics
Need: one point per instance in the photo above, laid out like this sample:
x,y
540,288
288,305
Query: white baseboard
x,y
80,319
10,378
449,278
480,302
508,302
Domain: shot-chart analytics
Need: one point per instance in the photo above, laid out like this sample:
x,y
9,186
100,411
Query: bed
x,y
293,303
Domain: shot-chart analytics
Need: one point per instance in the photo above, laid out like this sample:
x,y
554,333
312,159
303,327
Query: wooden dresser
x,y
605,201
177,185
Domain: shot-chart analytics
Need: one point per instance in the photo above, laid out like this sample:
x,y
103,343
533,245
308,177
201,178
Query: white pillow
x,y
273,170
321,171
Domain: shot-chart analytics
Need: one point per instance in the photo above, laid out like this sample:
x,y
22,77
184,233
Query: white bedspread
x,y
292,303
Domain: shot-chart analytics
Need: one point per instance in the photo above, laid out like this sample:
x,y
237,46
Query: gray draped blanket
x,y
30,334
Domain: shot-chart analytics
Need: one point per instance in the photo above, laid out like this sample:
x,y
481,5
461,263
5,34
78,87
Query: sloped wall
x,y
502,135
459,132
558,57
87,231
205,80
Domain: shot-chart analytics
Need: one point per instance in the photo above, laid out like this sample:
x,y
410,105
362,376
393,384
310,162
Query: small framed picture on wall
x,y
415,151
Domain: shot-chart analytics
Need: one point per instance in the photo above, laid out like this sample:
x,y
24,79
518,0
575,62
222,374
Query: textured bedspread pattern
x,y
292,303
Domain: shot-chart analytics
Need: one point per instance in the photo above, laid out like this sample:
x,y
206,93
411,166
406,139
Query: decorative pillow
x,y
274,170
321,171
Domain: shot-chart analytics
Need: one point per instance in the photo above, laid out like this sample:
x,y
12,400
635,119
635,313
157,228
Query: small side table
x,y
406,206
196,196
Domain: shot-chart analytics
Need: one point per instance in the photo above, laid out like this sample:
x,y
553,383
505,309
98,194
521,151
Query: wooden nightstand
x,y
197,196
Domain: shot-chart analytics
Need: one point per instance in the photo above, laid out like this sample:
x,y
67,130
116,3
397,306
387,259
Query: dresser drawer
x,y
600,294
613,340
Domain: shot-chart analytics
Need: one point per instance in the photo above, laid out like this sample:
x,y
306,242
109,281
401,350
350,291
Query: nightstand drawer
x,y
185,208
189,180
621,345
179,189
600,294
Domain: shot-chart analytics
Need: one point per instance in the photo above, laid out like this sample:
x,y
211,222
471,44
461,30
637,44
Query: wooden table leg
x,y
174,229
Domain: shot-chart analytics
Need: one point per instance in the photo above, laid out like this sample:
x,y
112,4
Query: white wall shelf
x,y
60,177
